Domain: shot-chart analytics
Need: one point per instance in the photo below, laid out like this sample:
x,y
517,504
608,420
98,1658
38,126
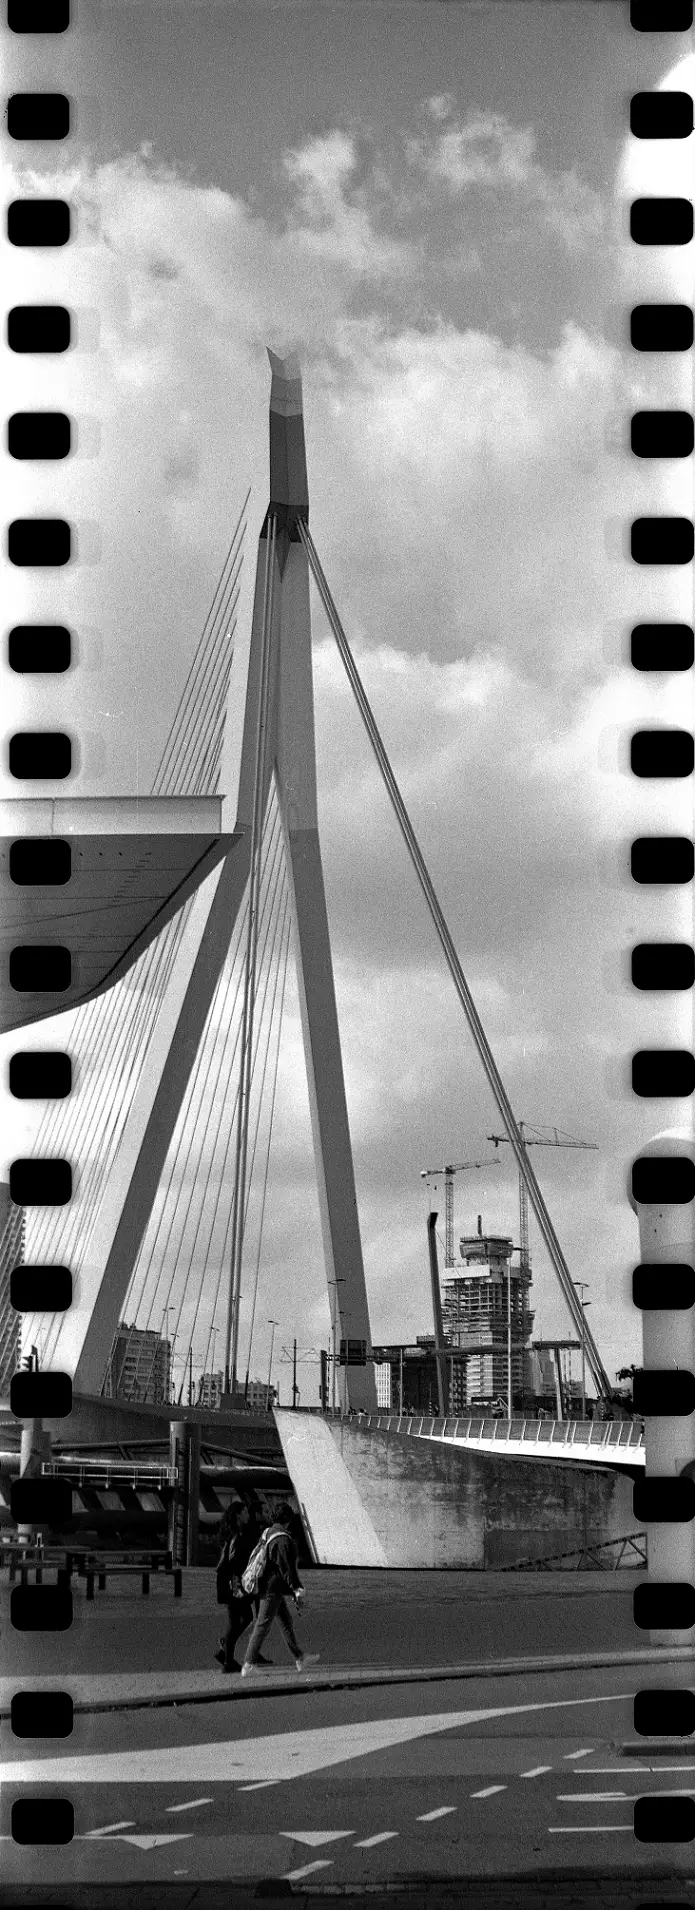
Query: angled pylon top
x,y
289,490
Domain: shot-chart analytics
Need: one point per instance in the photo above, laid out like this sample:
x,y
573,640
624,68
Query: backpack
x,y
251,1577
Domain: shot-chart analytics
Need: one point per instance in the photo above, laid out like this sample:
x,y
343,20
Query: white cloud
x,y
460,490
486,151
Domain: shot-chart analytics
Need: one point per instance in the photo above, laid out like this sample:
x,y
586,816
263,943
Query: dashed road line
x,y
382,1837
586,1830
428,1817
127,1823
539,1770
320,1863
489,1792
193,1805
587,1753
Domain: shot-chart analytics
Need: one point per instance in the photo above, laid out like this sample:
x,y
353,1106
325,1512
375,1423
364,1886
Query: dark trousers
x,y
272,1605
240,1612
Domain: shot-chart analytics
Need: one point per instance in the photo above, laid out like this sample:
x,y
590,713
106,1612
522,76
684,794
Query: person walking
x,y
279,1581
238,1534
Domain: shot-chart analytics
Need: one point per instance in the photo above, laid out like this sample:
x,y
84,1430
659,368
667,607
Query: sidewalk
x,y
125,1691
126,1651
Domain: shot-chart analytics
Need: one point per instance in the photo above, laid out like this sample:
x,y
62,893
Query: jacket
x,y
234,1558
281,1573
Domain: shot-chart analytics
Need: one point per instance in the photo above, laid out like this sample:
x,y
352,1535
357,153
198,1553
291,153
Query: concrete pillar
x,y
35,1446
184,1454
666,1236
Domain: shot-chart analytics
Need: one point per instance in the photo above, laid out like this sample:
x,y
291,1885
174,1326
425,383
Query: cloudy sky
x,y
430,204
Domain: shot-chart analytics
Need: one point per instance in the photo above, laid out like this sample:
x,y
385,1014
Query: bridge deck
x,y
618,1442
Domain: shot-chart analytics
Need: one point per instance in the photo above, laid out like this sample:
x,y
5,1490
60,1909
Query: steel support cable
x,y
218,1026
273,918
493,1076
207,663
288,938
102,1114
276,938
222,1256
147,1252
71,1239
258,1114
275,876
231,1335
211,719
269,935
97,1016
170,1303
98,1007
198,662
195,743
222,1034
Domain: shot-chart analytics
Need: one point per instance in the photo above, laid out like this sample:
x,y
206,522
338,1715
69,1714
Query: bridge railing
x,y
532,1432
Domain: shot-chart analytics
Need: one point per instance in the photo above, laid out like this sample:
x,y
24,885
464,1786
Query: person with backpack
x,y
237,1535
272,1574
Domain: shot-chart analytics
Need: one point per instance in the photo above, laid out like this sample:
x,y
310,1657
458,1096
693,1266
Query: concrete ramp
x,y
338,1525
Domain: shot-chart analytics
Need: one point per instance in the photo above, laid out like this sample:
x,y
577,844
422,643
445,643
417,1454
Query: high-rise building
x,y
11,1254
210,1389
477,1299
139,1367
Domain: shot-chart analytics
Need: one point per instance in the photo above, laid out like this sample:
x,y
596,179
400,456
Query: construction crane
x,y
447,1175
539,1137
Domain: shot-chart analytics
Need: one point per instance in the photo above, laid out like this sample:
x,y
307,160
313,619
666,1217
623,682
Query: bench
x,y
96,1567
35,1557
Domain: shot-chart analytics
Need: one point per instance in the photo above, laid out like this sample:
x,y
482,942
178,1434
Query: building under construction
x,y
485,1312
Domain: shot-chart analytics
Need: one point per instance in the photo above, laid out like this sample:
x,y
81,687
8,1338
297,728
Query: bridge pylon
x,y
269,737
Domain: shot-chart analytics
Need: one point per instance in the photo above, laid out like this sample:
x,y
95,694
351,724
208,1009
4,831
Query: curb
x,y
363,1676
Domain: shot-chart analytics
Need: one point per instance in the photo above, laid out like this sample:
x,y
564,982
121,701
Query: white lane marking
x,y
539,1770
265,1785
145,1840
589,1797
193,1805
321,1863
382,1837
126,1823
428,1817
278,1756
315,1837
490,1792
586,1830
588,1753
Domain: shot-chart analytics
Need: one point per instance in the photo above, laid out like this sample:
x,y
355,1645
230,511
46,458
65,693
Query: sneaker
x,y
307,1658
247,1669
228,1668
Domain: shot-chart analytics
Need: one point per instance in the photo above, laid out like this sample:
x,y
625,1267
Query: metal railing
x,y
597,1434
100,1472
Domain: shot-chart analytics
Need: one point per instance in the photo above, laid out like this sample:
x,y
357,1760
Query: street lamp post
x,y
272,1324
509,1340
582,1288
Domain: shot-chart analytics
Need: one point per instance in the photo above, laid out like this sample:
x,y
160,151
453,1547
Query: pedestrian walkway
x,y
127,1691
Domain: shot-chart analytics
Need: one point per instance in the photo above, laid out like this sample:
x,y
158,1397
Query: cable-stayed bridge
x,y
179,920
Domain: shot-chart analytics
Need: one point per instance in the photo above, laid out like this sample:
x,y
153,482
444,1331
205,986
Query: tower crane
x,y
447,1175
538,1137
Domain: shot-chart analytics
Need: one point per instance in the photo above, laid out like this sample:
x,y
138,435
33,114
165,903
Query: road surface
x,y
491,1777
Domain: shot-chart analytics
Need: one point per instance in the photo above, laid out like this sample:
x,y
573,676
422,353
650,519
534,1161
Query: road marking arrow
x,y
314,1838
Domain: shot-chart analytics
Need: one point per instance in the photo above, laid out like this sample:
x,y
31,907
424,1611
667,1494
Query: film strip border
x,y
40,649
662,1179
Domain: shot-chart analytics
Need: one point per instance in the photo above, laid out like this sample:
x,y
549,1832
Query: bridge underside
x,y
135,860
